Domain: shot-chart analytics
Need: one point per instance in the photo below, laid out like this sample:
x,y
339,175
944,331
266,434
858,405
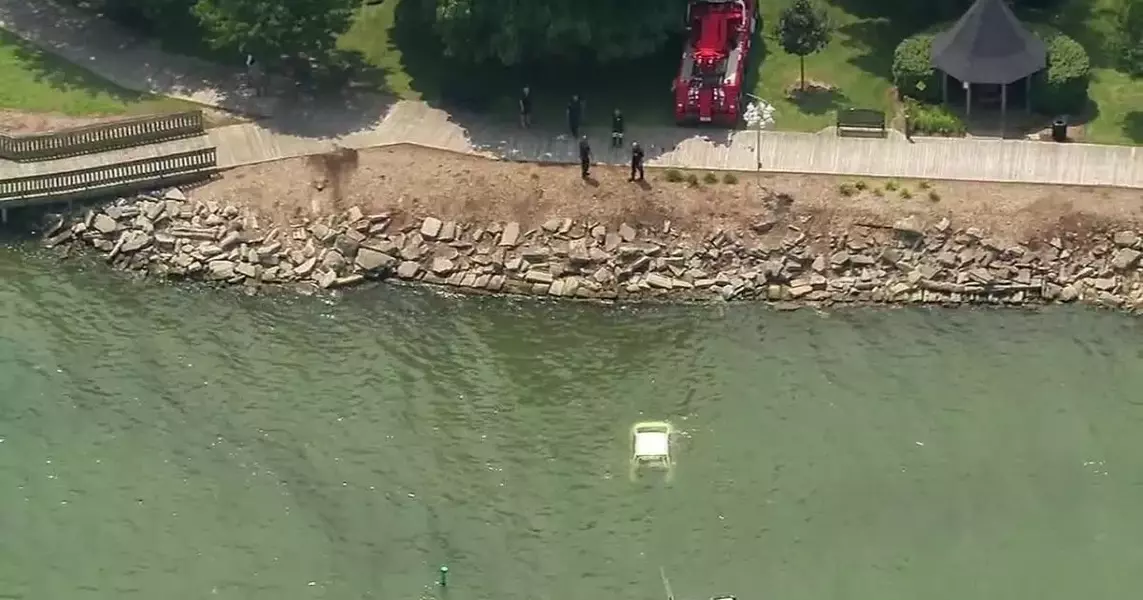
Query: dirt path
x,y
418,182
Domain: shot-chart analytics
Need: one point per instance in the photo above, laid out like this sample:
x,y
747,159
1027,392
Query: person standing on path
x,y
584,157
526,107
636,161
617,129
254,74
575,114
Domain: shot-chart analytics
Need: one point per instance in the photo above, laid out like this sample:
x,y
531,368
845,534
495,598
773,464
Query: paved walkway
x,y
297,128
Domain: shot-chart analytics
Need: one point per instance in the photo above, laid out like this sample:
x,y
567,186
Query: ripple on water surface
x,y
163,441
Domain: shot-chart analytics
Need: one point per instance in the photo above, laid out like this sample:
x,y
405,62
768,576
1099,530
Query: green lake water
x,y
172,442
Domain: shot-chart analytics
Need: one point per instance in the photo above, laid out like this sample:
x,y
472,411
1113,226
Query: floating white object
x,y
652,442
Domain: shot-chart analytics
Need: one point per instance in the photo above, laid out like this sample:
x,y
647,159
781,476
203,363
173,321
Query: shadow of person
x,y
643,184
593,182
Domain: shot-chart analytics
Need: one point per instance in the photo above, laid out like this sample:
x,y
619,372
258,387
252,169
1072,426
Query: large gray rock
x,y
408,269
230,240
1124,258
442,266
248,270
910,225
431,228
372,260
536,276
326,279
1126,238
306,267
626,232
332,260
346,244
135,241
661,282
104,224
154,210
448,232
511,235
578,254
59,238
220,269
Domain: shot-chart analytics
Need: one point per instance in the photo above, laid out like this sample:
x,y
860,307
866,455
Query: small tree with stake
x,y
803,30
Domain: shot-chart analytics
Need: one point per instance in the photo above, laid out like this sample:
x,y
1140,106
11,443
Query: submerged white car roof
x,y
651,443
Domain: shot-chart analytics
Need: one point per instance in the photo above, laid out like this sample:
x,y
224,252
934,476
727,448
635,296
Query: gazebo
x,y
988,46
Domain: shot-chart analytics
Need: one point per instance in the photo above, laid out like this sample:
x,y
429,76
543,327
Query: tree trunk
x,y
802,62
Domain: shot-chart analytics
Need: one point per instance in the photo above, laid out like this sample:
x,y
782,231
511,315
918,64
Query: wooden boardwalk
x,y
11,169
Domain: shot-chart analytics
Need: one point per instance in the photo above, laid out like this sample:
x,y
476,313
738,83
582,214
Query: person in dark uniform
x,y
526,107
617,129
575,115
636,161
584,157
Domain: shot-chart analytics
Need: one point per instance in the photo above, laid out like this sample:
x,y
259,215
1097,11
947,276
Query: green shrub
x,y
913,72
890,185
924,185
934,120
934,196
905,193
710,178
692,179
861,185
730,179
1062,87
878,192
846,190
673,175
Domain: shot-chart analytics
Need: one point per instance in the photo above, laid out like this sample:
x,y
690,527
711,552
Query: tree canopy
x,y
512,31
271,28
1130,23
266,29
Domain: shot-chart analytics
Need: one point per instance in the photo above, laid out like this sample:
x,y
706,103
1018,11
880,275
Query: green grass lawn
x,y
33,81
856,65
1117,98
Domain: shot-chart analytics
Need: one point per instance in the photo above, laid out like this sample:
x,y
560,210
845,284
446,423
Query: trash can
x,y
1060,129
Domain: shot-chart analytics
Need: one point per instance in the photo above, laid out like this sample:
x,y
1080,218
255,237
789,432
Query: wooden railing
x,y
135,174
101,137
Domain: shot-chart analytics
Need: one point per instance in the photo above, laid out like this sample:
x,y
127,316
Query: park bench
x,y
860,121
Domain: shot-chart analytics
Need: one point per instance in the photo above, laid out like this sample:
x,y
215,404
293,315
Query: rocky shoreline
x,y
166,235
